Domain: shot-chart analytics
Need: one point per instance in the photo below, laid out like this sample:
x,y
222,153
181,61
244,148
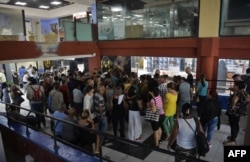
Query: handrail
x,y
101,134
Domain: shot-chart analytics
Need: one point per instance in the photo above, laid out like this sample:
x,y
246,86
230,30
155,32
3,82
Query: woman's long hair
x,y
202,79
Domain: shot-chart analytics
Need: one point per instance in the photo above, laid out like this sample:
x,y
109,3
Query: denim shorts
x,y
102,123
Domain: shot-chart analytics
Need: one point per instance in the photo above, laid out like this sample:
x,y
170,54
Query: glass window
x,y
128,19
227,69
11,24
235,17
170,66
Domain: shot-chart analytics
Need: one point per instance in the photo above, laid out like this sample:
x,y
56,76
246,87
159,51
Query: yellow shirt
x,y
126,86
171,104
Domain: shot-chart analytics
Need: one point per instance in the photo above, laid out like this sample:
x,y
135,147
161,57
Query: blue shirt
x,y
58,128
202,90
21,71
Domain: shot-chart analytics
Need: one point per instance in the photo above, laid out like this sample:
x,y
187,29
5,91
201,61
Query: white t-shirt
x,y
2,77
88,102
25,78
186,136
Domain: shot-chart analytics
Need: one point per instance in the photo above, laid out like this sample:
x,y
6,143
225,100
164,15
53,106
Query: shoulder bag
x,y
152,116
201,140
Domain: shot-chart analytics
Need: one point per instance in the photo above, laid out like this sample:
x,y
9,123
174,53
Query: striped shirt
x,y
99,102
158,103
163,90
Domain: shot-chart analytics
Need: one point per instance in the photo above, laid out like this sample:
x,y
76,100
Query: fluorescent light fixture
x,y
44,7
116,9
56,3
20,3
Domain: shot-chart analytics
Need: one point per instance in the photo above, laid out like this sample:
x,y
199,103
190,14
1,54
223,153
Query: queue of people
x,y
97,102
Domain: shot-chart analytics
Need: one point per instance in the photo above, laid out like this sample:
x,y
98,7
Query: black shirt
x,y
190,80
209,110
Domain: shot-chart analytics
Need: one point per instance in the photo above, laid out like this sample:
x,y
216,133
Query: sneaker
x,y
229,143
97,153
210,145
139,139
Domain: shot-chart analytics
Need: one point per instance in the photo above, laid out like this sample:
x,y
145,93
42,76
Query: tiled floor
x,y
2,155
215,154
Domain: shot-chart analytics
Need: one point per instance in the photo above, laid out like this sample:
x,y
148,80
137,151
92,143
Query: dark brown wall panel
x,y
12,50
76,48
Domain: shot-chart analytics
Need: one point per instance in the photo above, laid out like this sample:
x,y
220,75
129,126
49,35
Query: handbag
x,y
152,116
19,99
201,140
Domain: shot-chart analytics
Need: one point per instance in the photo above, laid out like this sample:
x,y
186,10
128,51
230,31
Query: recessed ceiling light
x,y
20,3
44,7
56,3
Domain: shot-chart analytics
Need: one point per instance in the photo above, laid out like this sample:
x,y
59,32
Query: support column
x,y
207,62
209,18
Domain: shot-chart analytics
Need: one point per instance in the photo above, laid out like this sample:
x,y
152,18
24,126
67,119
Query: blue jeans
x,y
209,128
38,107
102,123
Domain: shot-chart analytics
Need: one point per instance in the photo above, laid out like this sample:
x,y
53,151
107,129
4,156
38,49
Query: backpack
x,y
37,96
201,140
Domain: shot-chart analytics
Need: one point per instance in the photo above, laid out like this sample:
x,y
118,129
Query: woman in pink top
x,y
156,103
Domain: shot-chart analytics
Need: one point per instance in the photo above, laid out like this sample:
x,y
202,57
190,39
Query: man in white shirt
x,y
2,80
78,100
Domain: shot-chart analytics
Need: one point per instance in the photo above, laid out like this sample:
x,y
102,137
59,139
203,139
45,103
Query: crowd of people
x,y
98,101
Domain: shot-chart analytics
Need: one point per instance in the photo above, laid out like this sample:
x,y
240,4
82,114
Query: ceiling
x,y
37,3
66,8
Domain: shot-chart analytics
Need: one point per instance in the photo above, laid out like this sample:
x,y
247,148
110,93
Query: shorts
x,y
157,124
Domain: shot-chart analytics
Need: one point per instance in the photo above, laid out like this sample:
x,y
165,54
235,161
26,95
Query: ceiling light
x,y
56,3
116,9
20,3
44,7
